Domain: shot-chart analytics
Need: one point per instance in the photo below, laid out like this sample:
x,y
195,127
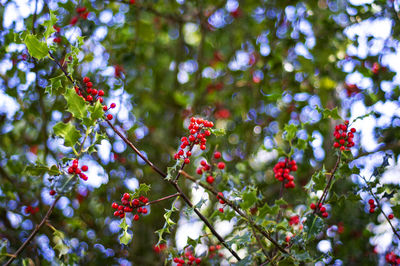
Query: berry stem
x,y
380,207
34,232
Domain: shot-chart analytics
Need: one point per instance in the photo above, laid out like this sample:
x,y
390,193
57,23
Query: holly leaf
x,y
39,170
126,237
218,132
173,170
249,198
36,48
68,132
313,226
76,104
142,189
48,24
291,131
328,113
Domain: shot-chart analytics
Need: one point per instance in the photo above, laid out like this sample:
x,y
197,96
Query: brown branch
x,y
34,232
384,148
236,209
158,200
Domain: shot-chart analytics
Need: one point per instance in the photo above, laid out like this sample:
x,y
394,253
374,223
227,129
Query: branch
x,y
34,232
236,209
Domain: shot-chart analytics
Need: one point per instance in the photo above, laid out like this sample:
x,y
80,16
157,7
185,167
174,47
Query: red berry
x,y
371,210
323,209
198,260
199,171
203,163
221,165
353,130
325,214
89,98
52,192
187,161
391,216
80,9
221,210
203,147
211,248
135,202
71,170
132,2
312,206
113,105
126,196
217,155
84,168
116,213
89,84
122,215
109,116
101,93
83,176
136,217
371,201
114,205
94,92
210,179
105,108
74,20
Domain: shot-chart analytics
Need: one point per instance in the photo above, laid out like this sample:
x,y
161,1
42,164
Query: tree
x,y
199,132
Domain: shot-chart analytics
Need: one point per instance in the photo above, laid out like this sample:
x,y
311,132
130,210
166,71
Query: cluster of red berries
x,y
213,250
372,205
74,169
198,129
322,209
351,89
82,13
93,95
58,38
187,259
343,136
130,205
392,258
159,248
205,167
31,210
221,201
282,170
294,220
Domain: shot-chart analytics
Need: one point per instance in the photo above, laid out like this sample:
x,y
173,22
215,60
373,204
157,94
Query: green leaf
x,y
96,112
56,87
218,132
48,24
249,198
173,170
126,237
35,47
327,113
142,189
313,226
319,179
291,131
67,131
76,104
396,210
39,169
266,209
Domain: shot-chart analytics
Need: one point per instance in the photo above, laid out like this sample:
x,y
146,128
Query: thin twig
x,y
34,232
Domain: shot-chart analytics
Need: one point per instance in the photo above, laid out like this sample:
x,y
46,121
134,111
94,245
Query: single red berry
x,y
323,209
188,153
126,196
135,202
198,260
325,214
89,98
70,170
346,122
217,155
101,93
78,171
211,248
221,210
86,79
84,168
52,192
83,176
109,116
135,217
57,40
116,213
371,201
221,165
113,105
89,84
94,92
105,108
122,215
114,205
353,130
132,2
80,9
202,147
144,210
391,216
210,179
312,206
74,20
187,161
203,163
199,171
371,210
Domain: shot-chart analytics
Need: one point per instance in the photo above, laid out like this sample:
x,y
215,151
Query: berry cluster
x,y
129,206
221,201
213,250
372,205
206,168
159,248
294,220
93,95
74,169
57,39
198,129
31,210
392,258
282,170
343,136
187,259
82,13
322,209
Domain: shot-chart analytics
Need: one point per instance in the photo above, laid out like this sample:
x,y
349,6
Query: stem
x,y
34,232
158,200
236,209
325,193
